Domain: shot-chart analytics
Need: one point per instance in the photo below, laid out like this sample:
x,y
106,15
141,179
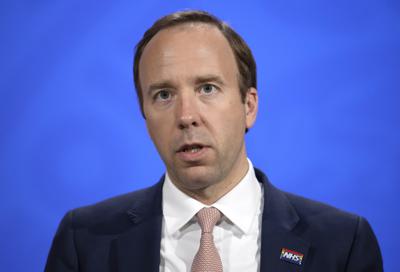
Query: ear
x,y
251,106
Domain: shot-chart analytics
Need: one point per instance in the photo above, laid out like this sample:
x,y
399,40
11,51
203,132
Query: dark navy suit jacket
x,y
123,234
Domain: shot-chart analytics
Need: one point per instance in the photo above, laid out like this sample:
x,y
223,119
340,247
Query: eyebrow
x,y
160,85
167,84
208,78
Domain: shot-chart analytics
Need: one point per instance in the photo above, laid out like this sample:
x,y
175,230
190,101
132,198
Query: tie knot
x,y
207,218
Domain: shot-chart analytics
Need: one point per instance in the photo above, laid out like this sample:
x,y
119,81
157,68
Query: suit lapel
x,y
138,249
279,222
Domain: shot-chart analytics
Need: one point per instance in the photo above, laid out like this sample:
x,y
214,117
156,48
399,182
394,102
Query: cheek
x,y
235,113
157,132
230,122
162,133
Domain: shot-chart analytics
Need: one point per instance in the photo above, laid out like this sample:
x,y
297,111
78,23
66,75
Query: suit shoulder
x,y
113,207
321,214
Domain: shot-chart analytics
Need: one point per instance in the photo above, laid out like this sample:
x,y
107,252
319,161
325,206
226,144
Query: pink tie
x,y
207,258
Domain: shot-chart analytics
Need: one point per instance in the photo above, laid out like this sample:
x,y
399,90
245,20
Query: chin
x,y
196,178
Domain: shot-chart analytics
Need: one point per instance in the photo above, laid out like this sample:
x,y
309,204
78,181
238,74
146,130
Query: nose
x,y
187,112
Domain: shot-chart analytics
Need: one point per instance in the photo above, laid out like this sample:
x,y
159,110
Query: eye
x,y
208,89
162,95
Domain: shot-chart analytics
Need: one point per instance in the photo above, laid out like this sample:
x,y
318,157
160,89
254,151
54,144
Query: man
x,y
212,211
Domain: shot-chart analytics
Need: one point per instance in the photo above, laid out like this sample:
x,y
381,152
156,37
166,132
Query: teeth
x,y
192,149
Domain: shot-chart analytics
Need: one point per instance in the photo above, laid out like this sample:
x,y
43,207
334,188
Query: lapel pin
x,y
291,256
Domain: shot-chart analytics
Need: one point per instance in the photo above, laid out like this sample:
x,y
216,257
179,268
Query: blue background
x,y
71,132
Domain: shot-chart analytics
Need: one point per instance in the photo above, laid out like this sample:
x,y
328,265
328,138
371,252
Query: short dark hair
x,y
244,58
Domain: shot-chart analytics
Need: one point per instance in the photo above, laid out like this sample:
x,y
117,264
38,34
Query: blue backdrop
x,y
71,132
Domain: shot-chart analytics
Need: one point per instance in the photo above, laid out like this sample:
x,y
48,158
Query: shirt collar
x,y
179,208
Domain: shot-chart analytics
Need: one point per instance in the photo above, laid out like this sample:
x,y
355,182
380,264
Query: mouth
x,y
191,148
192,153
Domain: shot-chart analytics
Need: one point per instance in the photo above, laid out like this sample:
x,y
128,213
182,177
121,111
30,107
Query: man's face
x,y
193,108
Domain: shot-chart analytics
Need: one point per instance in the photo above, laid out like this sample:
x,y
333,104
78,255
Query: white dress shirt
x,y
236,236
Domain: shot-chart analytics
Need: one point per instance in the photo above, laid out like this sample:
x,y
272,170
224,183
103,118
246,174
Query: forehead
x,y
188,48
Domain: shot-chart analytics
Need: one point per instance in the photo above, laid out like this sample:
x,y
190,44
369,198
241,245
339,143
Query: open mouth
x,y
191,148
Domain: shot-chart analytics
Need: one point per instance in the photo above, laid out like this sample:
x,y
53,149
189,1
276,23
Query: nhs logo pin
x,y
291,256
